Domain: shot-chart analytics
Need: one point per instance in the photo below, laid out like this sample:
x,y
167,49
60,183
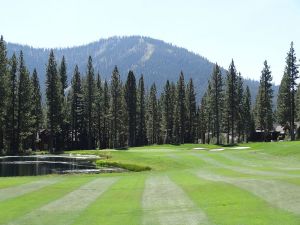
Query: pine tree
x,y
248,117
3,92
99,110
89,100
105,108
264,99
190,99
240,108
131,106
208,113
152,116
217,97
298,103
11,126
64,84
63,74
37,111
159,120
77,110
141,114
54,103
167,113
118,116
283,102
25,117
179,112
202,119
231,102
286,109
292,72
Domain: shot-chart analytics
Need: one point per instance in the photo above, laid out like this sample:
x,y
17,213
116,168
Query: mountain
x,y
155,59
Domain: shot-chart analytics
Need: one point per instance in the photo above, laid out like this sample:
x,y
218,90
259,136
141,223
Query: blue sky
x,y
248,31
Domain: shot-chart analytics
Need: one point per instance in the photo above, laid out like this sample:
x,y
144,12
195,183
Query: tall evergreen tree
x,y
89,100
179,112
131,105
298,104
152,117
240,108
64,84
283,102
208,113
37,106
141,113
190,125
77,110
99,110
3,91
202,119
167,113
231,102
286,108
248,117
293,75
63,74
217,97
118,116
54,103
264,98
160,138
105,108
11,127
25,117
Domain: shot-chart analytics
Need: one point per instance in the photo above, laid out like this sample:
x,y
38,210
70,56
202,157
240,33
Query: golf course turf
x,y
186,184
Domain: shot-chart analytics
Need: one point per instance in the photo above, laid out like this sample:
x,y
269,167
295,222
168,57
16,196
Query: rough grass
x,y
255,186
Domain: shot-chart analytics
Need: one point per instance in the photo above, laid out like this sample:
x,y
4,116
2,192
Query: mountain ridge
x,y
155,59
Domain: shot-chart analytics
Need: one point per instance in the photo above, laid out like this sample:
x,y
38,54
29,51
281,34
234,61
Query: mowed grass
x,y
255,186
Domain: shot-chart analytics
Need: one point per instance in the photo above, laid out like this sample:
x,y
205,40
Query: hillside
x,y
157,60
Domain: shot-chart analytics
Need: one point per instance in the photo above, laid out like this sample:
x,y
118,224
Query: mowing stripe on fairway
x,y
63,210
227,204
7,182
166,203
245,170
260,162
280,194
14,208
15,191
121,204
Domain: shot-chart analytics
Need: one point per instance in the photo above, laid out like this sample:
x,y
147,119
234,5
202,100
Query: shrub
x,y
127,166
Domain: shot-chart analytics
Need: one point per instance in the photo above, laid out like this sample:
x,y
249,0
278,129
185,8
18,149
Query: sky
x,y
248,31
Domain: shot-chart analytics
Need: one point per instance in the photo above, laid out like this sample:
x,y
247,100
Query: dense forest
x,y
95,113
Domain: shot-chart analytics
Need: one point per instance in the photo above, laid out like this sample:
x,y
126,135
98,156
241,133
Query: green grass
x,y
227,204
125,209
223,191
14,208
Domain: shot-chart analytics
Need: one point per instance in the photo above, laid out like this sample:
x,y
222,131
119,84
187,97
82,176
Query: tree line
x,y
93,113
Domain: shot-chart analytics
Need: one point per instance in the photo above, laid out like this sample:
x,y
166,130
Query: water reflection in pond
x,y
44,164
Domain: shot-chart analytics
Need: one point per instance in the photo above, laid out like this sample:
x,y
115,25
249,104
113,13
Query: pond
x,y
46,164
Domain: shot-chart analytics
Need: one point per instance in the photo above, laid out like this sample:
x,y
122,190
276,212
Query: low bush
x,y
127,166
